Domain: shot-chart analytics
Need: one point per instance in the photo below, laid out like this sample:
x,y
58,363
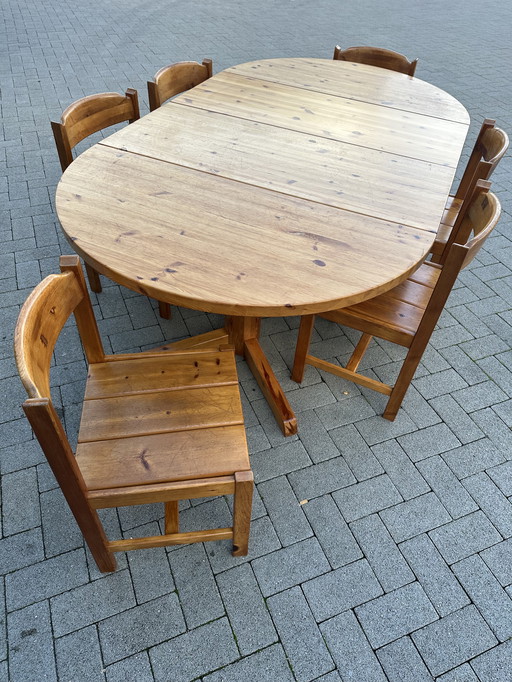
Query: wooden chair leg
x,y
165,310
402,383
359,352
94,279
244,484
307,324
172,522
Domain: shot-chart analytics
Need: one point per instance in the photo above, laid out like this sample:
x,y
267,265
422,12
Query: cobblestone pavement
x,y
399,567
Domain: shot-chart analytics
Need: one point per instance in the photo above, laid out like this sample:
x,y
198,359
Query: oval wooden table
x,y
278,187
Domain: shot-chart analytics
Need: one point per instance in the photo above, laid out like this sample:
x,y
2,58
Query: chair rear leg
x,y
165,310
172,522
403,382
244,484
307,324
94,278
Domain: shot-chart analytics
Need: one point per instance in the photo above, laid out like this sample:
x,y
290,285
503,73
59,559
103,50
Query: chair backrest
x,y
490,147
176,78
376,56
90,114
41,320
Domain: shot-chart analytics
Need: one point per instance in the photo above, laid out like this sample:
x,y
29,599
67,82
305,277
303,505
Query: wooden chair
x,y
490,147
83,118
156,427
376,56
407,314
176,78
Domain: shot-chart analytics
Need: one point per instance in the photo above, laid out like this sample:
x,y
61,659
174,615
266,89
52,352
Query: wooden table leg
x,y
243,334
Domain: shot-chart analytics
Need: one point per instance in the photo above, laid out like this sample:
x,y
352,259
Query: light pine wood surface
x,y
280,187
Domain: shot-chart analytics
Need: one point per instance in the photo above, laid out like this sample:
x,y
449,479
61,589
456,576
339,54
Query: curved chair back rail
x,y
376,56
175,78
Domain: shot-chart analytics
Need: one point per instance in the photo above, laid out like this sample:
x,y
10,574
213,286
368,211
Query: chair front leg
x,y
244,485
307,324
94,279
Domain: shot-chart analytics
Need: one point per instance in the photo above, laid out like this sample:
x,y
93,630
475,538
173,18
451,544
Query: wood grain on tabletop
x,y
225,241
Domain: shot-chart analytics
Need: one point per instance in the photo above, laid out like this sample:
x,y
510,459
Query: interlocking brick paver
x,y
400,469
347,587
246,609
402,663
135,667
453,640
266,665
473,457
465,536
428,442
31,644
356,452
491,501
350,649
302,641
79,657
447,487
463,673
494,665
284,510
320,479
367,497
415,516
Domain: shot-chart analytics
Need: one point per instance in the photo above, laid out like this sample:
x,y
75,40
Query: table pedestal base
x,y
243,333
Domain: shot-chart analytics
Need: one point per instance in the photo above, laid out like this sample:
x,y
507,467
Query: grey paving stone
x,y
438,581
20,456
415,516
473,457
395,614
149,568
92,602
311,397
356,453
498,371
347,587
376,429
440,383
494,428
382,553
499,560
350,649
199,597
17,516
400,469
3,623
141,627
346,412
290,566
320,479
79,657
480,396
402,663
455,417
315,437
453,640
463,673
465,536
46,579
55,513
494,665
246,609
487,594
135,667
428,442
285,458
334,535
366,497
267,665
22,549
195,653
504,410
283,508
491,501
446,486
32,657
298,632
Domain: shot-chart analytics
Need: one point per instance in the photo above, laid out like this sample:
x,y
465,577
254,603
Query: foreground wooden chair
x,y
176,78
407,314
376,56
156,427
83,118
490,147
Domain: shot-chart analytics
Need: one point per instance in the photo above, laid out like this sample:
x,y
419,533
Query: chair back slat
x,y
176,78
490,147
483,214
89,115
41,320
376,56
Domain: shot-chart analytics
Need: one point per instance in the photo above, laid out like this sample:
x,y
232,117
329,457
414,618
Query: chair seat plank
x,y
148,459
164,372
159,412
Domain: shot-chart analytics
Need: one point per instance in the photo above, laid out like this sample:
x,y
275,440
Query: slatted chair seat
x,y
155,427
406,314
376,56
